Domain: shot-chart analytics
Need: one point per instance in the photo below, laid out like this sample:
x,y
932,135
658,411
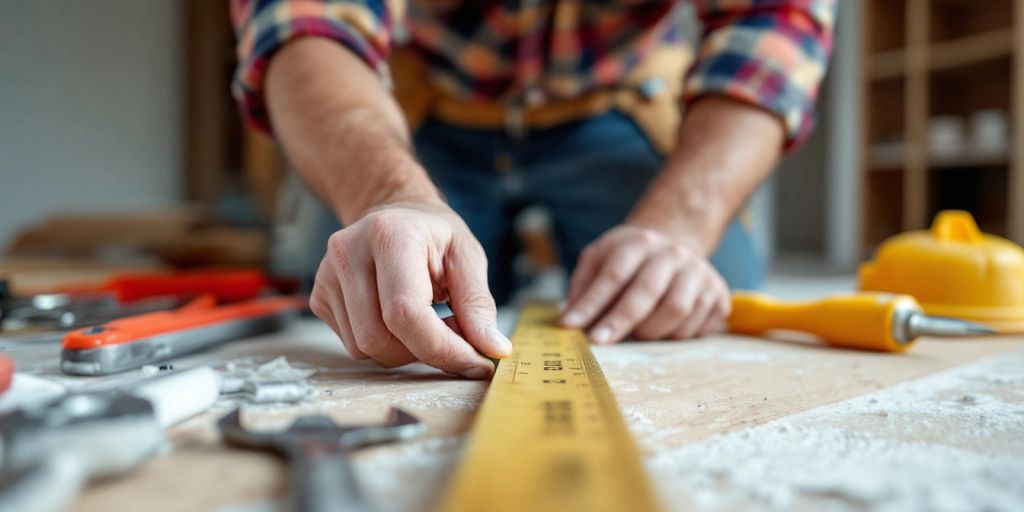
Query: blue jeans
x,y
588,174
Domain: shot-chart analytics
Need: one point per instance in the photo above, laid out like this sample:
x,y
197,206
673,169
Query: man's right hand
x,y
381,275
404,249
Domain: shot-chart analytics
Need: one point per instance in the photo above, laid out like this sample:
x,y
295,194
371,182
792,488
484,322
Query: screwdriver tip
x,y
924,325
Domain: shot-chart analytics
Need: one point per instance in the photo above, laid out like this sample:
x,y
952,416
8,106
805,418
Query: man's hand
x,y
634,280
403,248
376,285
650,277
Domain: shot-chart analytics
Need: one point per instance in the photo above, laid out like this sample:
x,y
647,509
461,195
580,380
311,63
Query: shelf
x,y
890,161
984,194
887,65
883,208
886,19
945,55
967,160
950,19
970,50
922,60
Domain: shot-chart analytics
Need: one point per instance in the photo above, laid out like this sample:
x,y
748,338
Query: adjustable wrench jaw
x,y
76,424
318,450
400,426
50,451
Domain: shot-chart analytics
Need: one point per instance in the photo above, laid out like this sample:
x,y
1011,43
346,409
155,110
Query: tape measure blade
x,y
549,435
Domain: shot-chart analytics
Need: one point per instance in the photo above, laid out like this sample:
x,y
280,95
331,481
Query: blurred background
x,y
120,144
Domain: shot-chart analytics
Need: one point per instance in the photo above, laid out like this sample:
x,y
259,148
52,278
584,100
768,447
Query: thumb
x,y
471,300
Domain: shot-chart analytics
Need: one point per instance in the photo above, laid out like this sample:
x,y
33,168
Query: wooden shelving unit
x,y
950,58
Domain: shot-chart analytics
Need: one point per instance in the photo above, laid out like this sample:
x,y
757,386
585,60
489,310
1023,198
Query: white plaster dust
x,y
918,446
926,445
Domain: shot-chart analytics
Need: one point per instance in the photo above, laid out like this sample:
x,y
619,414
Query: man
x,y
570,104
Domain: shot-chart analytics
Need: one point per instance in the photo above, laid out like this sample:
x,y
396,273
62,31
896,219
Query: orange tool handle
x,y
6,373
199,313
224,285
860,320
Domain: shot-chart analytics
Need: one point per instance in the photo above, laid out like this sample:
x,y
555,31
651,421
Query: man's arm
x,y
342,129
650,277
402,248
726,149
750,94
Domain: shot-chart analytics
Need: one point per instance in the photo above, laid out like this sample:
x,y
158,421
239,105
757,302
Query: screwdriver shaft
x,y
942,327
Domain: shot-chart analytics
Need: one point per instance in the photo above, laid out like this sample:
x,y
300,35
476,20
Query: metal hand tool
x,y
863,320
85,314
318,449
136,341
49,451
44,310
77,305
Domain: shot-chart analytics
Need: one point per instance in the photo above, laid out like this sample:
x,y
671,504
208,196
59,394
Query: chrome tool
x,y
34,321
136,341
322,479
49,451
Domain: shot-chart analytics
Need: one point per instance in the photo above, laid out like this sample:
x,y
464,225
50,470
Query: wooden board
x,y
671,393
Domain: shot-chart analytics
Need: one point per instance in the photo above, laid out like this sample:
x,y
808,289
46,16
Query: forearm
x,y
342,129
726,149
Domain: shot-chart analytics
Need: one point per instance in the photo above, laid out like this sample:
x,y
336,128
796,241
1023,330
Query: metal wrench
x,y
50,450
322,478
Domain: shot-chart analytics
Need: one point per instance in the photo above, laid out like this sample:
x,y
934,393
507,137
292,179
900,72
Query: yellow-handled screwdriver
x,y
864,320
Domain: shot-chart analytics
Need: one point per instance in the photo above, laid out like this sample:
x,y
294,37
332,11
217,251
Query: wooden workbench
x,y
675,396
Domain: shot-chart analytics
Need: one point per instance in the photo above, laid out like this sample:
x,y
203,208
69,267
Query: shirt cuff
x,y
777,70
265,30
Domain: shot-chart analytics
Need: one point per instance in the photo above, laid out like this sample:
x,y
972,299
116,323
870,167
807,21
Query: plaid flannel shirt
x,y
768,53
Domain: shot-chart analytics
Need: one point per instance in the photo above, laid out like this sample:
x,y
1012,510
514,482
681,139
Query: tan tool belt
x,y
649,96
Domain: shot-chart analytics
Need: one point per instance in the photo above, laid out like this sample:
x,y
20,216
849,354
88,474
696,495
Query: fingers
x,y
327,304
715,322
635,280
638,300
589,262
453,324
362,303
405,291
471,301
720,310
613,273
377,284
675,307
381,276
433,342
696,304
695,321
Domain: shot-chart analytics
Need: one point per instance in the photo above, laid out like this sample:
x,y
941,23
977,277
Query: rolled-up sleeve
x,y
768,53
263,26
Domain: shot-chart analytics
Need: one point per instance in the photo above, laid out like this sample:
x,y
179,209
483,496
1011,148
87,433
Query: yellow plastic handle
x,y
956,226
861,320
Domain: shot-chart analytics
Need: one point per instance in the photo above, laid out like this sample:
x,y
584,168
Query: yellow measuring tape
x,y
549,435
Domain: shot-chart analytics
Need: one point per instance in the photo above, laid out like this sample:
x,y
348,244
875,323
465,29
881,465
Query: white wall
x,y
90,107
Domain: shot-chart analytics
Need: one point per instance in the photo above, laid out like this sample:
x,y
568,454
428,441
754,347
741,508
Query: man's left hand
x,y
637,281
